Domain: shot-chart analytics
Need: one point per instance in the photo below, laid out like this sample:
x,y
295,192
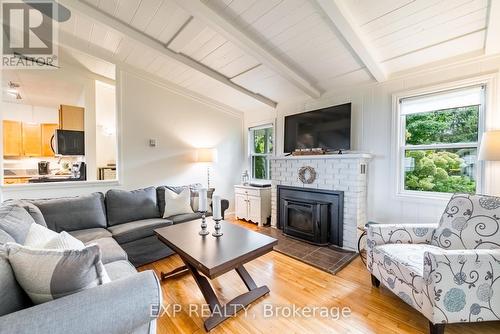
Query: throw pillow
x,y
195,199
43,238
38,236
50,274
176,204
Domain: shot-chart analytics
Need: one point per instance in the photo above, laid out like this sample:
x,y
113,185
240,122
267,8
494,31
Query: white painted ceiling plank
x,y
145,13
248,44
126,10
187,34
431,37
492,43
341,18
457,16
453,48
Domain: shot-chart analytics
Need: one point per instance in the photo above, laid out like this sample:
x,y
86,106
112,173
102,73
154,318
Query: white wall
x,y
105,109
372,132
150,110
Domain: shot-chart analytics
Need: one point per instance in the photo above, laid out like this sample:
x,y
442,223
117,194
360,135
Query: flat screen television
x,y
327,128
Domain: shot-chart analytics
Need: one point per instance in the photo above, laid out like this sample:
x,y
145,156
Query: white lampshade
x,y
490,146
205,155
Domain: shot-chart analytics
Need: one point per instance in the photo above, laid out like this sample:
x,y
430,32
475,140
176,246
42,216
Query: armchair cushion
x,y
400,267
469,222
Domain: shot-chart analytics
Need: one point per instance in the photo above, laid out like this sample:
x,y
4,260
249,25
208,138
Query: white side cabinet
x,y
252,203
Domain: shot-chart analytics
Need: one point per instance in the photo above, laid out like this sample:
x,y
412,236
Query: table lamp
x,y
490,146
206,155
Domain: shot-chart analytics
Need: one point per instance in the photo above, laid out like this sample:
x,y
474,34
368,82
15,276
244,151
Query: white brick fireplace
x,y
341,172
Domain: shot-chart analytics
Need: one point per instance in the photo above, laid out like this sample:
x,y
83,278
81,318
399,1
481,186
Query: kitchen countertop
x,y
34,176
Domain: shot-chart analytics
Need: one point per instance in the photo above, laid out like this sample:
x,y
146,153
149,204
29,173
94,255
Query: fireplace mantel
x,y
324,156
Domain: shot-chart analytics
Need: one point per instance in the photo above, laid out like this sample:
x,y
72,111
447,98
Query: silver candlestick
x,y
204,230
217,227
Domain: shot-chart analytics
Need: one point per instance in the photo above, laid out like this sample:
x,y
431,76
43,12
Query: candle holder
x,y
217,227
204,230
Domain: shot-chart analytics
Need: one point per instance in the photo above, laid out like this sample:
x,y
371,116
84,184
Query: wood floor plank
x,y
294,283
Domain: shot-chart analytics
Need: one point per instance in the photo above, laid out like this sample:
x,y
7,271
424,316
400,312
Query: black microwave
x,y
68,142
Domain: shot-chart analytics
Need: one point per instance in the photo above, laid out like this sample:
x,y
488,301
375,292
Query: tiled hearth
x,y
341,172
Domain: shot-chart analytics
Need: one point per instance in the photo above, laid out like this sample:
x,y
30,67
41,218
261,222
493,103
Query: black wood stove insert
x,y
313,215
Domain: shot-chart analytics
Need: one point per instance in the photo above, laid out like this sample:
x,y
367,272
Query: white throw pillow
x,y
176,204
64,240
43,238
47,274
38,236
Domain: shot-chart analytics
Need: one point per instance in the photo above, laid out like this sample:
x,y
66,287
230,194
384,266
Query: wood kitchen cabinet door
x,y
71,118
12,139
48,131
32,140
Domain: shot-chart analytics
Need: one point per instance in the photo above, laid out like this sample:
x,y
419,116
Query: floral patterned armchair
x,y
449,272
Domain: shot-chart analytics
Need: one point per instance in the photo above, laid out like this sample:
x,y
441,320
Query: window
x,y
261,150
439,139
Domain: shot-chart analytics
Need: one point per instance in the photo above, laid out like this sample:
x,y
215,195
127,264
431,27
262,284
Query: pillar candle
x,y
217,207
202,204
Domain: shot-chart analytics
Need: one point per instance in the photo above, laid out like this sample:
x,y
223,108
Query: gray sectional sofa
x,y
122,223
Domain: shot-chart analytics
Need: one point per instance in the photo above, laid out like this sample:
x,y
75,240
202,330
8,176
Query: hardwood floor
x,y
294,283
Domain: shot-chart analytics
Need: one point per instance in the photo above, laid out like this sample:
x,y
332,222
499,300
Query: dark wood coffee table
x,y
215,256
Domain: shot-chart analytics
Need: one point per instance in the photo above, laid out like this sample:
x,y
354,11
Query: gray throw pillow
x,y
125,206
50,274
14,221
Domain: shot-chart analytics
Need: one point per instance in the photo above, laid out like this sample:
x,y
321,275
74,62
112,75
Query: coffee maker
x,y
43,168
79,171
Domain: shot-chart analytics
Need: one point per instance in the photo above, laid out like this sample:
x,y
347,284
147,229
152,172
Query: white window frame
x,y
251,152
399,126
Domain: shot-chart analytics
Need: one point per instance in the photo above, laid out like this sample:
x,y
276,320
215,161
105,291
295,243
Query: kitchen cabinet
x,y
12,138
17,180
32,140
71,118
252,203
48,131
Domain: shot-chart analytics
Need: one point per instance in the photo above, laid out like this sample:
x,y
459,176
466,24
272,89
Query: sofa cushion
x,y
73,213
12,296
14,221
110,250
185,217
126,206
50,274
160,193
469,222
137,229
146,250
119,269
90,234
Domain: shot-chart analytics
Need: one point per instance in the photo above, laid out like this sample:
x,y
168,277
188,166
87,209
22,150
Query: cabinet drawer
x,y
246,191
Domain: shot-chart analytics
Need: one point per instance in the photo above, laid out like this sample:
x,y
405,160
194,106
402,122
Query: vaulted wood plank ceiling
x,y
253,54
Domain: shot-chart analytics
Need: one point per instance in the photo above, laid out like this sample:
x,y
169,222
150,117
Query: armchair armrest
x,y
381,234
460,284
116,307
